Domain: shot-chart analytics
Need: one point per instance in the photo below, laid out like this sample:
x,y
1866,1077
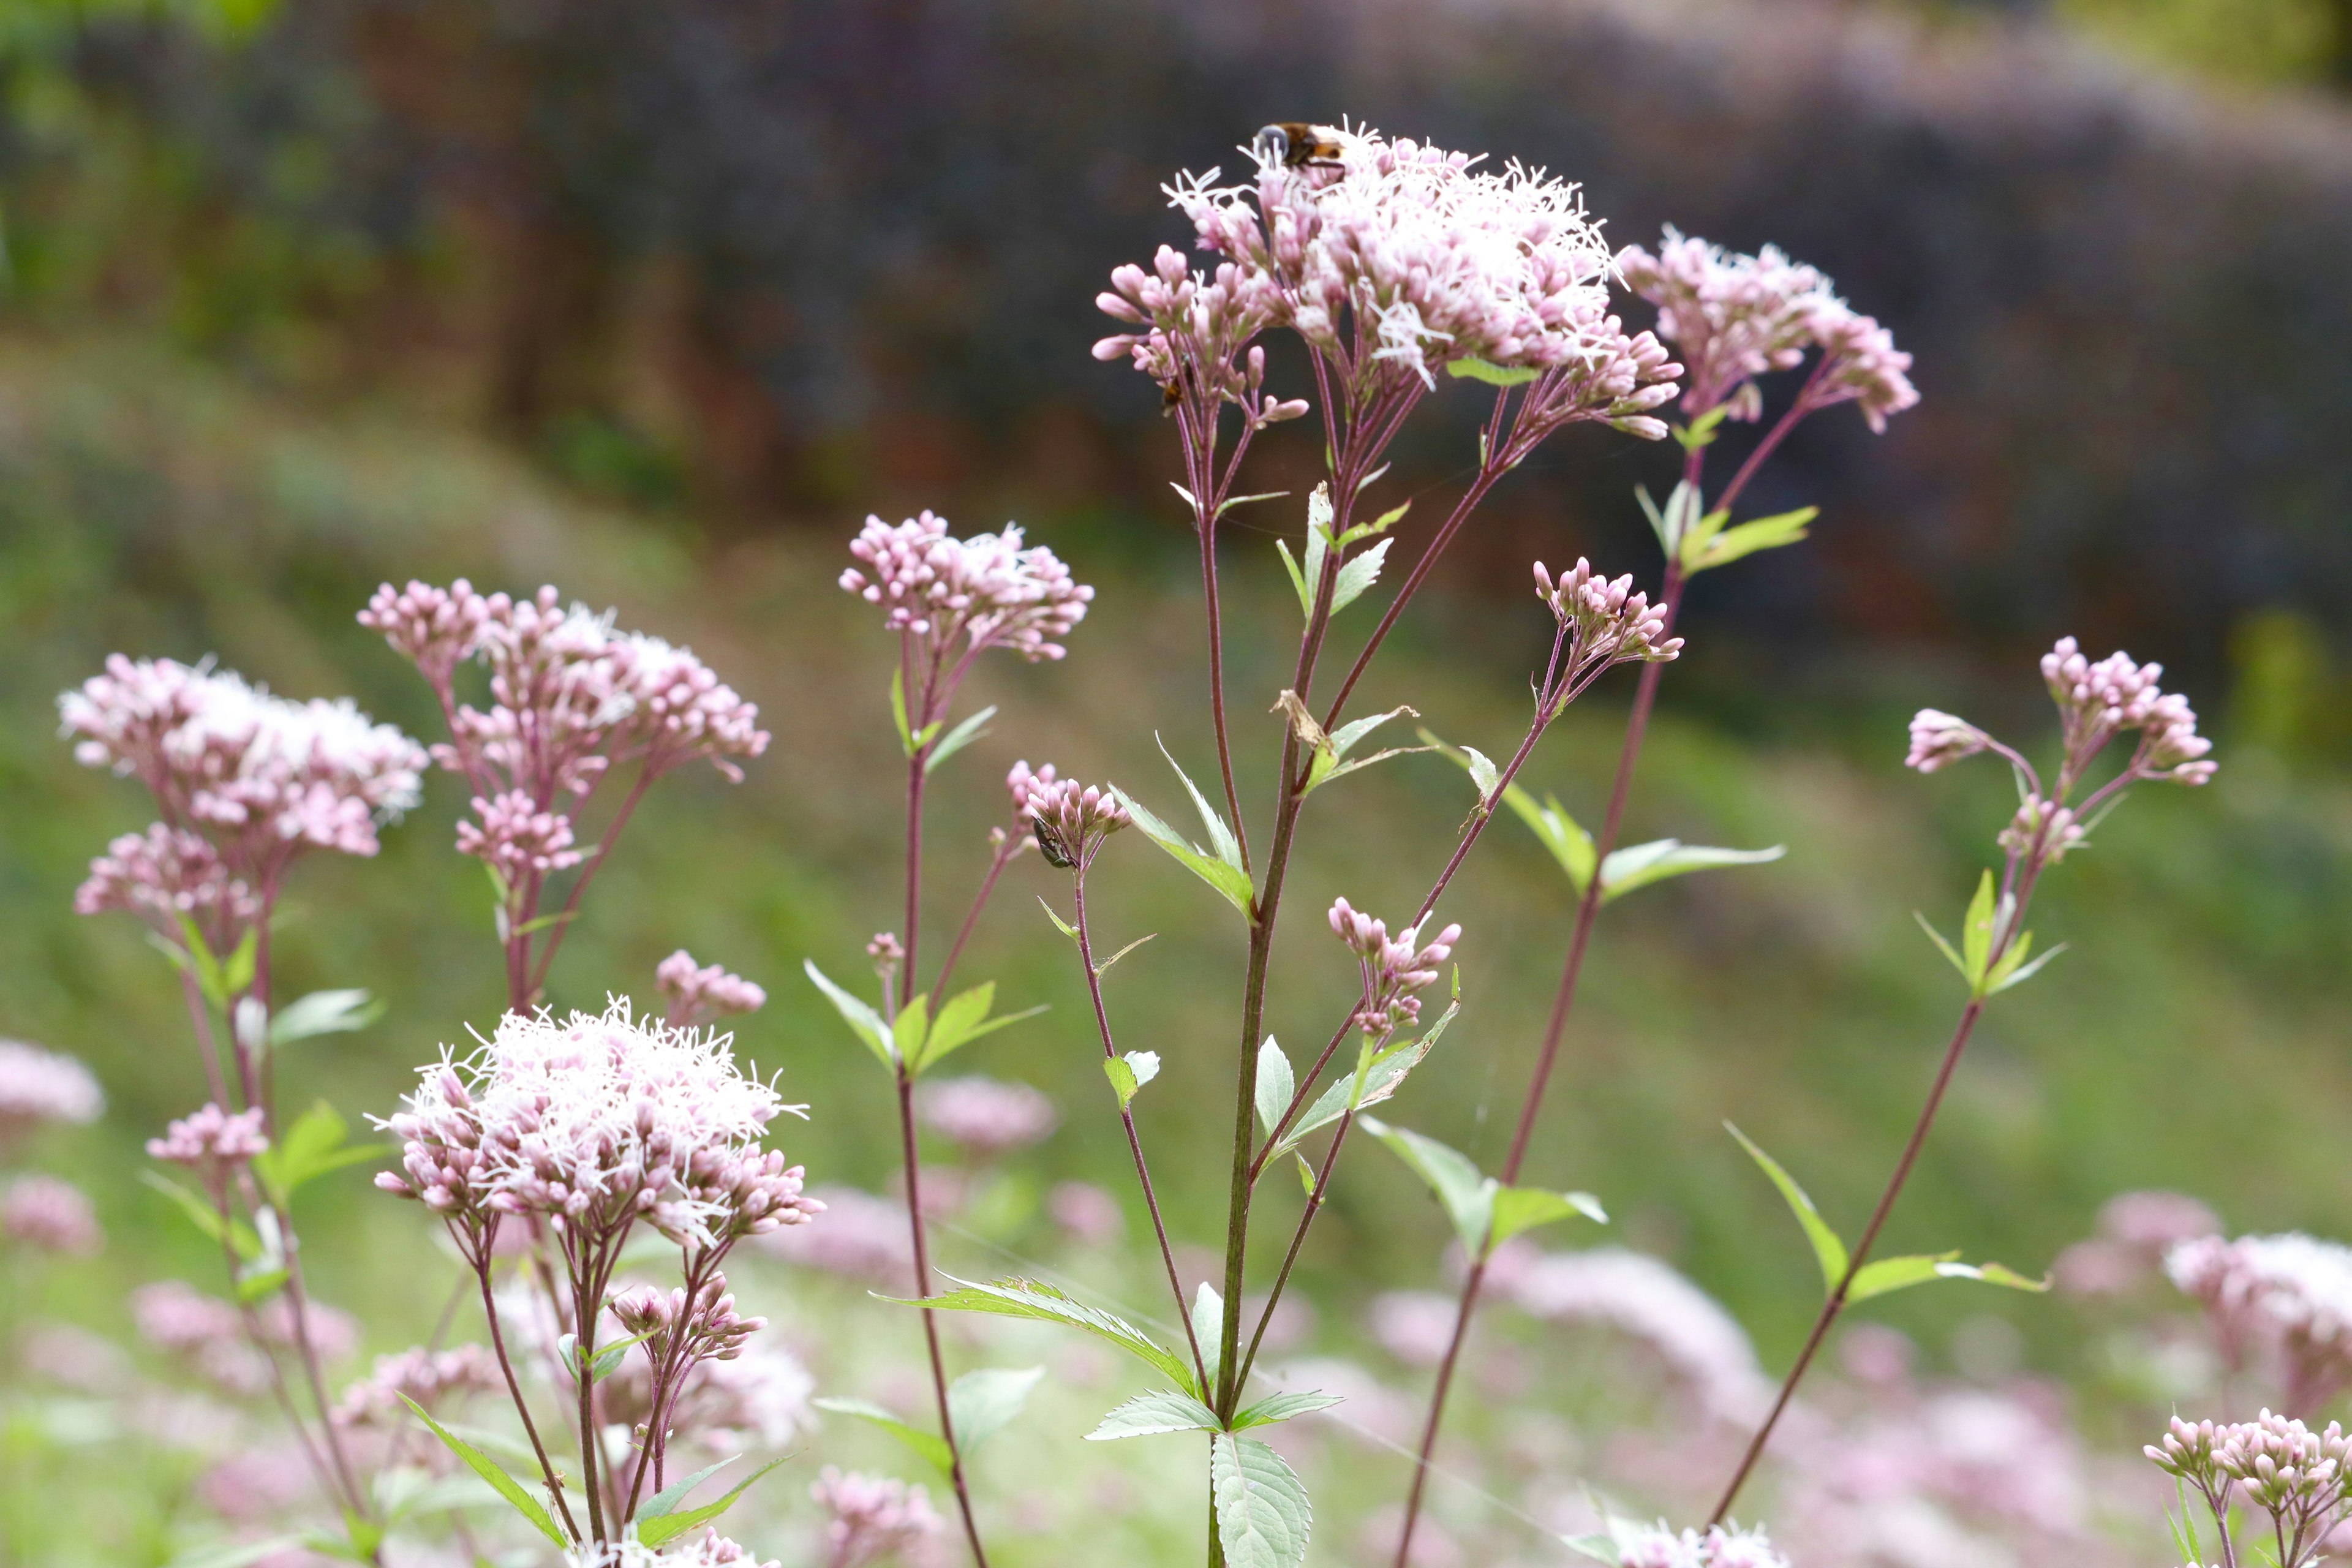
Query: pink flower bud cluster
x,y
986,1116
1718,1548
870,1518
1409,256
2290,1296
1392,969
697,993
984,592
1939,738
858,1235
570,698
38,1086
2043,830
1197,331
212,1141
592,1124
1070,820
51,1214
434,1378
2295,1475
705,1328
1860,364
711,1549
262,778
2098,701
1732,318
1606,621
164,874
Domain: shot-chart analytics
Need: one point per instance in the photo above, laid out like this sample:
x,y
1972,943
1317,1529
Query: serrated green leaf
x,y
1828,1250
864,1021
670,1526
1517,1209
323,1013
1149,1414
957,1024
490,1470
1282,1407
1491,374
1467,1196
1276,1085
1357,574
1230,880
1262,1512
930,1447
666,1500
1640,864
1018,1298
957,739
981,1403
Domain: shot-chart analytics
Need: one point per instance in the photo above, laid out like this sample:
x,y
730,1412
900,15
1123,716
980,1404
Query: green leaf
x,y
262,1285
1470,369
1018,1298
1065,927
1228,848
323,1013
1380,524
909,1029
957,739
1207,1317
239,1235
2013,969
1945,948
1976,932
1883,1275
666,1500
1696,435
981,1403
930,1447
1263,1514
963,1019
312,1147
1640,864
1276,1085
1297,579
1680,517
898,712
1720,546
1356,575
1282,1407
1129,1073
670,1526
1232,501
1468,1197
862,1020
1550,822
490,1470
1523,1208
1104,967
1993,1274
236,975
235,1553
1828,1250
1382,1076
1331,751
1228,880
1149,1414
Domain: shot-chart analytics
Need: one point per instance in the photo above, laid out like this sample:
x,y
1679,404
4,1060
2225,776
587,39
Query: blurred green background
x,y
654,301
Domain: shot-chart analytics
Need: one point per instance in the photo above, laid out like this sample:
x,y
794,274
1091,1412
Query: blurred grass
x,y
2192,1037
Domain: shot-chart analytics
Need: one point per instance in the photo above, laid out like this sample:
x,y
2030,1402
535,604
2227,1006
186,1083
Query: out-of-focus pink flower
x,y
255,1484
1938,740
1732,318
594,1122
50,1214
212,1141
1090,1215
38,1086
871,1517
1662,1547
166,874
434,1378
1391,969
963,596
73,1357
697,993
1414,1326
1640,1296
2043,831
858,1234
1860,363
2290,1294
985,1115
709,1550
2134,1232
2099,700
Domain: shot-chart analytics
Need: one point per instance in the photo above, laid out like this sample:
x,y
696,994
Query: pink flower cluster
x,y
1199,330
1392,969
2098,701
984,592
1606,621
2295,1475
38,1086
984,1115
2043,830
1718,1548
594,1122
569,698
871,1517
705,1328
2136,1231
2287,1295
697,993
1070,820
1703,1345
212,1141
1734,318
711,1549
1939,738
50,1214
174,1316
858,1235
261,778
434,1378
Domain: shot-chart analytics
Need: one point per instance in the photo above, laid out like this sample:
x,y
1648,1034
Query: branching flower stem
x,y
481,1265
1134,1143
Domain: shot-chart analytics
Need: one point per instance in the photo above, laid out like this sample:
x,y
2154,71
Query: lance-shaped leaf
x,y
930,1447
201,1213
310,1147
1147,1414
1382,1076
1712,544
1888,1274
957,739
1208,1330
981,1403
1017,1297
490,1470
1517,1209
1550,821
963,1020
1639,865
1129,1073
1276,1086
323,1013
670,1526
666,1500
1828,1250
1282,1407
1263,1513
1467,1197
1676,521
1220,866
864,1021
1317,547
